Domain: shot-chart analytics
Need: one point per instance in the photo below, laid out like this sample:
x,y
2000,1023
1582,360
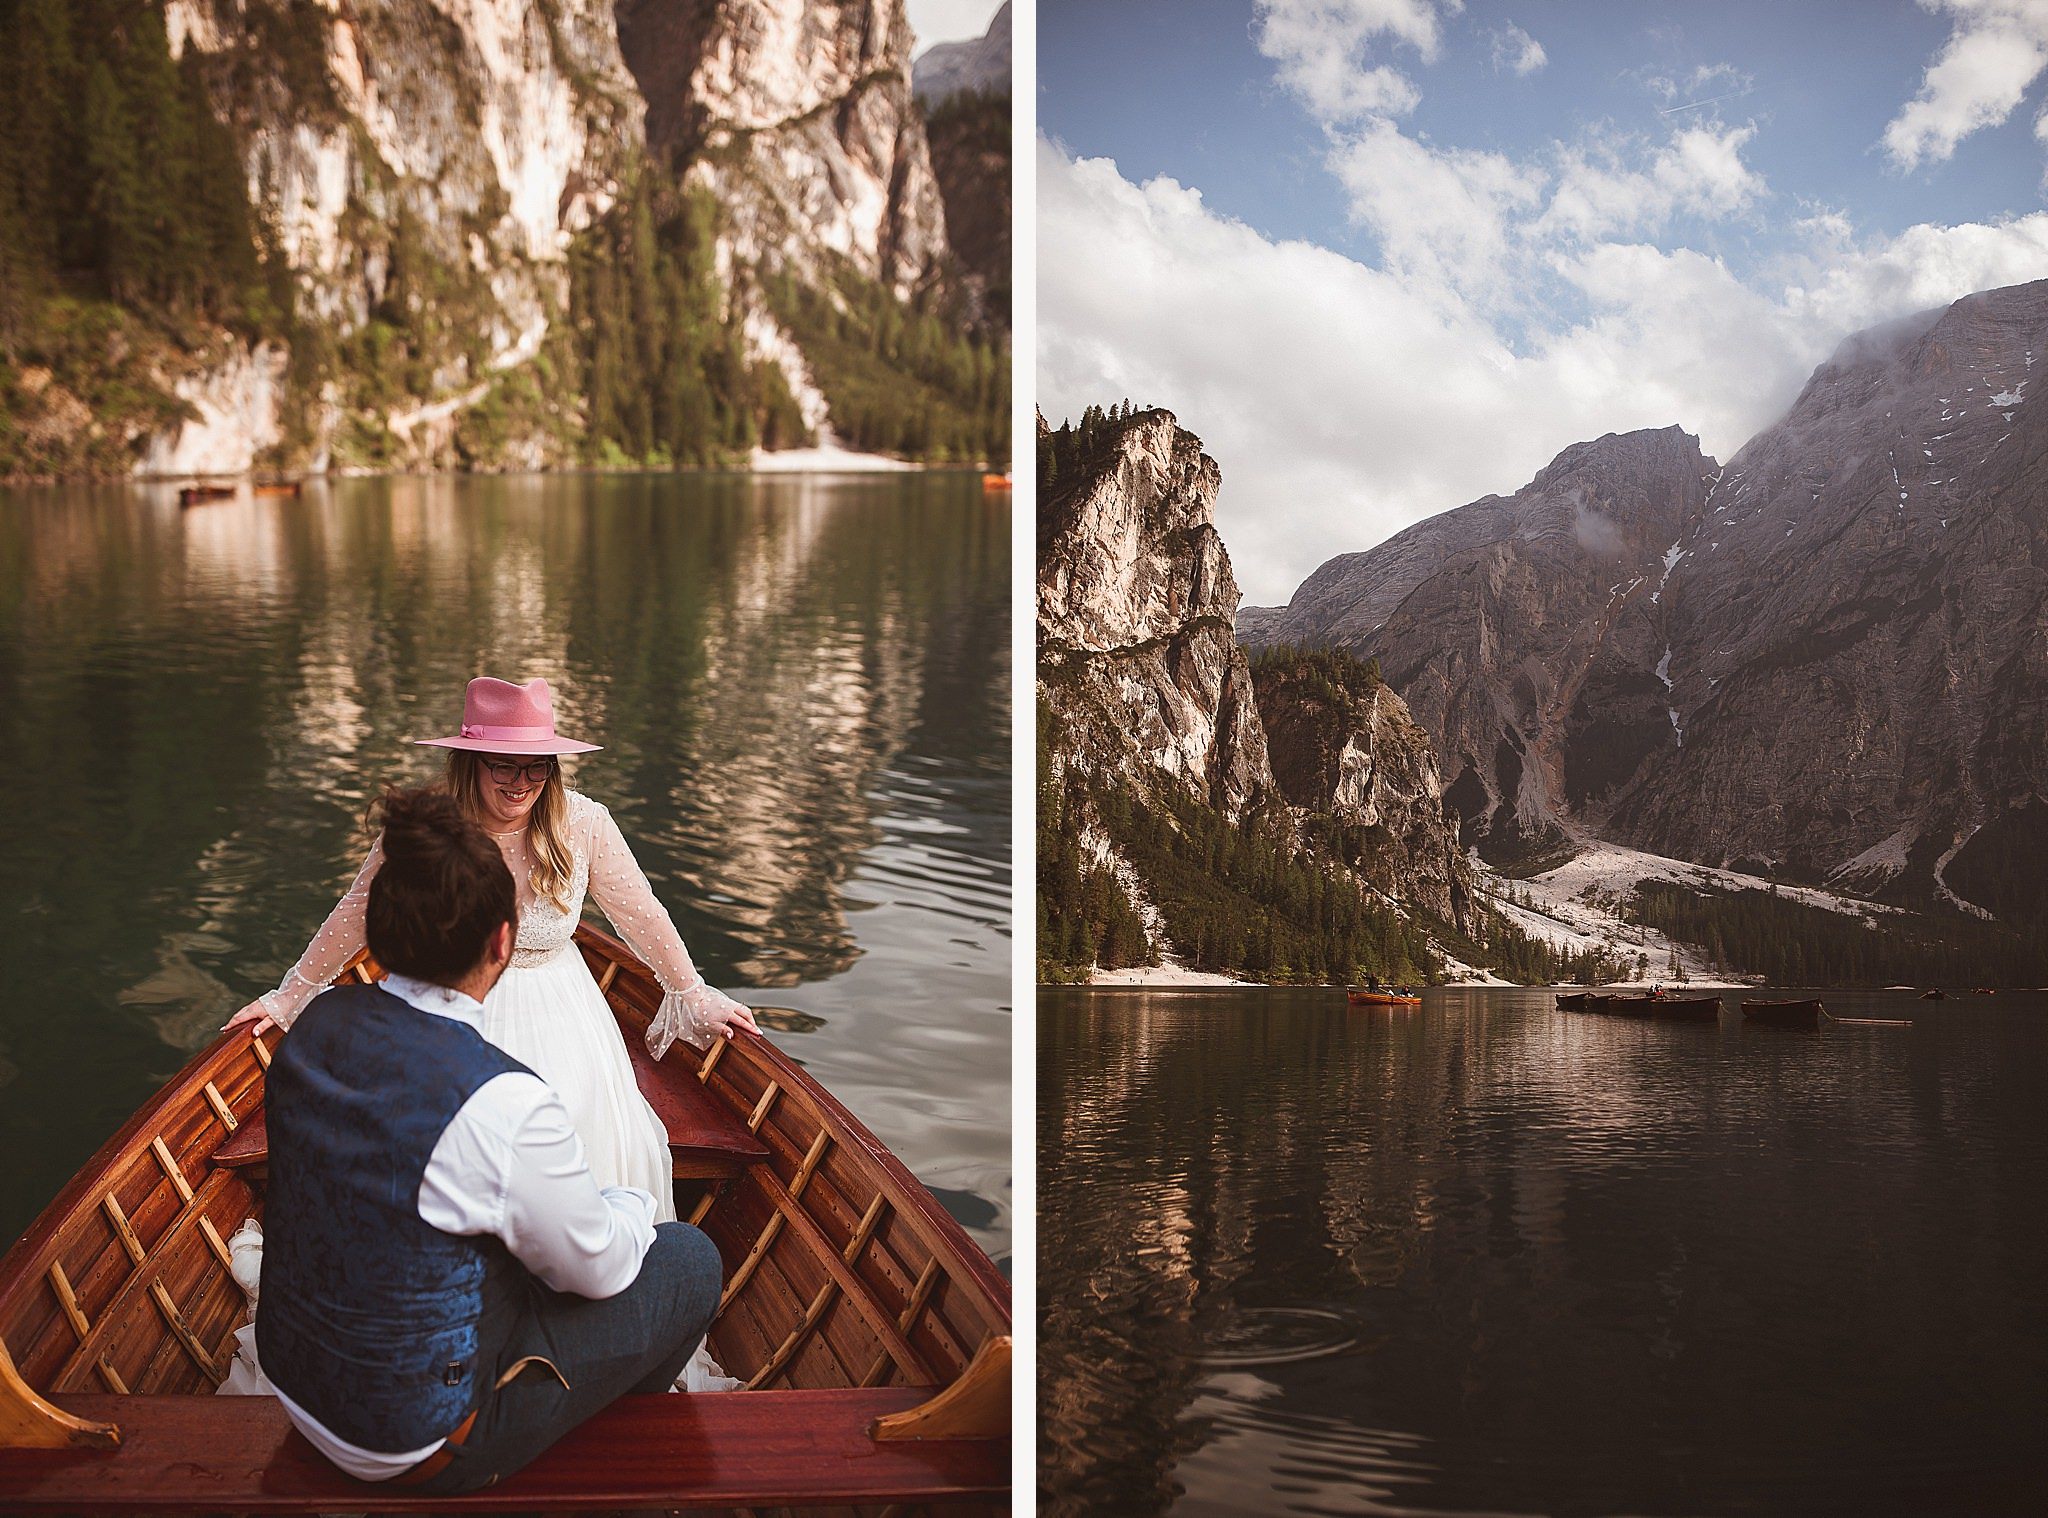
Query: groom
x,y
446,1291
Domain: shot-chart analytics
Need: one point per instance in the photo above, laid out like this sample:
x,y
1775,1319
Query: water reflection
x,y
1493,1258
801,686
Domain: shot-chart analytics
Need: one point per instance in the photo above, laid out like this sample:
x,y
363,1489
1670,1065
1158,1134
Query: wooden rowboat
x,y
1695,1009
871,1332
1783,1014
1360,997
199,495
1937,994
1621,1006
1571,1001
994,484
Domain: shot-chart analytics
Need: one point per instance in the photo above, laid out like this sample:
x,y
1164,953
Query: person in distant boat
x,y
446,1289
1372,983
504,770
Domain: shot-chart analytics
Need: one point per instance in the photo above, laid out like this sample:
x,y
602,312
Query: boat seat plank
x,y
705,1140
240,1454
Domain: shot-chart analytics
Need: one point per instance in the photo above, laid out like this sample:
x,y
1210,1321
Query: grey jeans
x,y
568,1358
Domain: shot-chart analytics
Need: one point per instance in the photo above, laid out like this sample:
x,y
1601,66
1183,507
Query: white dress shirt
x,y
509,1164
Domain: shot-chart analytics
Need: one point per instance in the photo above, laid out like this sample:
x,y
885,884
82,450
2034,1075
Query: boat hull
x,y
1783,1014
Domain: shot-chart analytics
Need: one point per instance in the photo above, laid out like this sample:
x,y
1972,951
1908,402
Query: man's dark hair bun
x,y
441,891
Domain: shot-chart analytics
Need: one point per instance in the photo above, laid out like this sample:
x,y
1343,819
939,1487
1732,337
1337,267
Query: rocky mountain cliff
x,y
799,119
1136,655
1858,627
1159,740
1827,662
1524,632
511,233
1344,747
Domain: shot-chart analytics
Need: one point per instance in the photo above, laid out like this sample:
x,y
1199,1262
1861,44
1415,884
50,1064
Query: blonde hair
x,y
553,861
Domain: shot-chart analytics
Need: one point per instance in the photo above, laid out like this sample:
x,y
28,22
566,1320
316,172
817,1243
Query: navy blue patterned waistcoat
x,y
372,1319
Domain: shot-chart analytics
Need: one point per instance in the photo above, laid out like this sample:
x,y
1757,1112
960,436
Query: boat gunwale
x,y
908,1195
25,1265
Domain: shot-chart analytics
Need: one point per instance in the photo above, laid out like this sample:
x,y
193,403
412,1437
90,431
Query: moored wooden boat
x,y
1621,1006
1571,1001
1358,996
873,1335
199,495
1937,994
1784,1014
1697,1009
995,483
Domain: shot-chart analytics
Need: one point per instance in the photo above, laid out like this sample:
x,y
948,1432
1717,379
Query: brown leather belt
x,y
437,1462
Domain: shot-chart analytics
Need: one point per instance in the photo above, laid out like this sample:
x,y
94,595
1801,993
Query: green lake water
x,y
802,686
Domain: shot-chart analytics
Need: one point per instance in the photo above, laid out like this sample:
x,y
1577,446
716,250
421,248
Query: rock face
x,y
1859,626
1828,661
1135,600
1343,745
1144,687
983,64
1524,632
451,150
475,137
797,115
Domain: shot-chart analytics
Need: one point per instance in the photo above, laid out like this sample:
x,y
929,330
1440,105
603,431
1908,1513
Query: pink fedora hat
x,y
499,717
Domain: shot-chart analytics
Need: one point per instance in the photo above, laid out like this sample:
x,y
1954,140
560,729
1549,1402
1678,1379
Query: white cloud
x,y
1321,49
1346,401
1699,171
1444,216
1514,49
1708,84
1995,51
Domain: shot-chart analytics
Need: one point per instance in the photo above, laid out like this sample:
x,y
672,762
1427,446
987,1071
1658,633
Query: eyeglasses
x,y
505,772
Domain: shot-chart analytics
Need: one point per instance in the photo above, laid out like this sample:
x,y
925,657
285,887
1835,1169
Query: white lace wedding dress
x,y
547,1012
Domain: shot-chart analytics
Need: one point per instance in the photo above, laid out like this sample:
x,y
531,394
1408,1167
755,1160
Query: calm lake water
x,y
803,690
1488,1257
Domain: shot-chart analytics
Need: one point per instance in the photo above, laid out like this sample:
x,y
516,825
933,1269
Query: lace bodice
x,y
603,868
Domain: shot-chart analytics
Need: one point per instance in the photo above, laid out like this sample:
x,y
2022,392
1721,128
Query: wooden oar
x,y
1870,1022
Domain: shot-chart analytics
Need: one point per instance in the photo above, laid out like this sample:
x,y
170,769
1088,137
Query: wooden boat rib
x,y
1784,1014
872,1333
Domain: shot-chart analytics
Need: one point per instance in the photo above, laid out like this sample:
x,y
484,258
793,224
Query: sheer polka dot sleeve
x,y
339,940
690,1009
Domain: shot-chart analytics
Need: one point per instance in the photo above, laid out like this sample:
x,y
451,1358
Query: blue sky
x,y
1505,208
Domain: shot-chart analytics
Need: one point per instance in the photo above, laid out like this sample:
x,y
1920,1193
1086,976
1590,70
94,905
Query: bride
x,y
546,1011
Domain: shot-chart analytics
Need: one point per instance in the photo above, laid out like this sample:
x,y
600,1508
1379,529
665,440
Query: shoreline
x,y
802,461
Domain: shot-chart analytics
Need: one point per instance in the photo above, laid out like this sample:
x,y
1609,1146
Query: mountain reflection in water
x,y
802,689
1492,1258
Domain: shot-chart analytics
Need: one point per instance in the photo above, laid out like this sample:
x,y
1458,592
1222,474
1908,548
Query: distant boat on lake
x,y
1361,997
1784,1014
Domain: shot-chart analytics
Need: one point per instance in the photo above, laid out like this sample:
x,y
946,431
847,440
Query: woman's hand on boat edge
x,y
255,1013
722,1012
